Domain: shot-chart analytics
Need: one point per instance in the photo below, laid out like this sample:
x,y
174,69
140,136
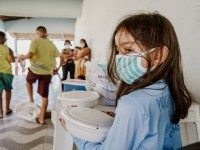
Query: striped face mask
x,y
130,66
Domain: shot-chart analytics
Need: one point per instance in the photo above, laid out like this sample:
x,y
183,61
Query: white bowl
x,y
86,123
79,98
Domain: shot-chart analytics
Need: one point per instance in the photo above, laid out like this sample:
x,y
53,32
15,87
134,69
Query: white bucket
x,y
79,98
86,123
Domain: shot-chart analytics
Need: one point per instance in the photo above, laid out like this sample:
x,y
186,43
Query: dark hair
x,y
2,37
83,40
68,41
42,29
153,30
81,77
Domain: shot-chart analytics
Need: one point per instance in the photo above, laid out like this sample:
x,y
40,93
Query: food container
x,y
87,123
79,98
74,84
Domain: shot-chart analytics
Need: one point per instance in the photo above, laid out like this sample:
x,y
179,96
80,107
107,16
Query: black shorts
x,y
43,82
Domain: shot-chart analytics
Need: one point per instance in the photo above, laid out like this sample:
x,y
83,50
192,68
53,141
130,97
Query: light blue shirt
x,y
142,122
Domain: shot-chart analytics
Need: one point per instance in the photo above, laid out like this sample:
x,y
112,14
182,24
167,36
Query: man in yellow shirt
x,y
6,77
42,54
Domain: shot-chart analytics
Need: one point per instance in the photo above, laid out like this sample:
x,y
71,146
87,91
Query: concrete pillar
x,y
16,54
2,26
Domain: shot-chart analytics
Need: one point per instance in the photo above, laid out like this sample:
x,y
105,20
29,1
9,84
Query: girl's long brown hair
x,y
154,30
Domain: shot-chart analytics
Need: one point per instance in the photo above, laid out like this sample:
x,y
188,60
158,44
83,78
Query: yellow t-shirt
x,y
44,54
5,64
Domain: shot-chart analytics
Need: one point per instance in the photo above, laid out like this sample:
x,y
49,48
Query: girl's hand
x,y
62,122
110,113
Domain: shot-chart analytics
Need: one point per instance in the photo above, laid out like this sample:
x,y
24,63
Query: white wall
x,y
53,25
2,27
99,17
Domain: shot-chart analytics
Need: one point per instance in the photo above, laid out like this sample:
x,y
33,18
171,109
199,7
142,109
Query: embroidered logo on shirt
x,y
168,148
174,129
163,103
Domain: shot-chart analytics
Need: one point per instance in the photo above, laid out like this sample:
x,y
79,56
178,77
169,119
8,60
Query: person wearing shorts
x,y
43,82
42,54
6,77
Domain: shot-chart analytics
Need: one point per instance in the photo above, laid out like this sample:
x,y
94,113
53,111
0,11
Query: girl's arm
x,y
127,132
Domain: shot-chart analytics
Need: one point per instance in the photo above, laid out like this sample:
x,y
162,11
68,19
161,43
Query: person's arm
x,y
60,55
68,55
32,51
29,55
61,61
12,58
128,130
82,53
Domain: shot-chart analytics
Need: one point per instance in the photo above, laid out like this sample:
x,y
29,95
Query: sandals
x,y
37,120
9,112
47,115
1,117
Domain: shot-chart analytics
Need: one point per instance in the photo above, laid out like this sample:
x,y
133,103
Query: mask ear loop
x,y
145,52
138,55
150,51
142,54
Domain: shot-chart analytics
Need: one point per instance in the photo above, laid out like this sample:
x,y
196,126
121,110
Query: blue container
x,y
74,85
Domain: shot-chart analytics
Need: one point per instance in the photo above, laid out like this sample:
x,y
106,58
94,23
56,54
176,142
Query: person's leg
x,y
29,87
7,79
31,78
8,98
72,70
65,72
1,93
43,110
43,90
65,69
1,105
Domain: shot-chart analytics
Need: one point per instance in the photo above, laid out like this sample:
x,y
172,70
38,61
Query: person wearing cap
x,y
68,65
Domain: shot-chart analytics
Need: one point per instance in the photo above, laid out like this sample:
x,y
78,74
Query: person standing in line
x,y
42,54
82,56
69,65
77,49
6,77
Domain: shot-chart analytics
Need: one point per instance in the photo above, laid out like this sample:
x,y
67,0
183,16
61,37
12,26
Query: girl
x,y
152,97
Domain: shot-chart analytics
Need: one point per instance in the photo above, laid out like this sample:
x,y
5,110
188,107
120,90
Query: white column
x,y
16,54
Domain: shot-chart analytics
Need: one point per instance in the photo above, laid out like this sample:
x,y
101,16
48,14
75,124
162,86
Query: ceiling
x,y
10,18
41,8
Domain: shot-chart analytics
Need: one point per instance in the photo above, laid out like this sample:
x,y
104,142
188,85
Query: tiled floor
x,y
18,134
